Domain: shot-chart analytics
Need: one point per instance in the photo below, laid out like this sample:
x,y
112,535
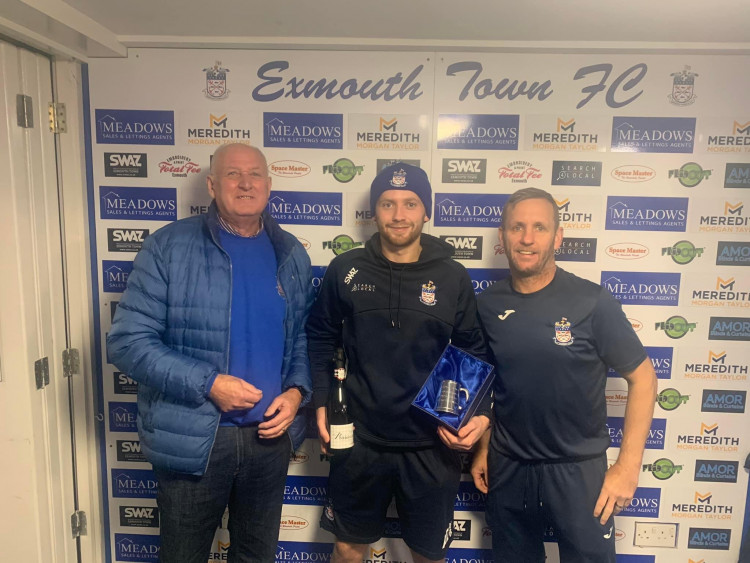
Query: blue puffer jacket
x,y
171,335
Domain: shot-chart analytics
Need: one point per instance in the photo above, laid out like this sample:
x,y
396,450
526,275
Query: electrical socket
x,y
655,534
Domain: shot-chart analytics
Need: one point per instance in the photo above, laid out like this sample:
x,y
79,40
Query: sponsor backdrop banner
x,y
647,157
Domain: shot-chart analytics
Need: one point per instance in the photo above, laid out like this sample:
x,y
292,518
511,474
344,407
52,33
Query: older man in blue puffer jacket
x,y
211,326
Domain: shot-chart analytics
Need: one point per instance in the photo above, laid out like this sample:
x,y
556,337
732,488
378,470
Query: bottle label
x,y
342,436
339,373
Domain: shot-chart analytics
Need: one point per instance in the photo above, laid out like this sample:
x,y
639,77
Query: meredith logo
x,y
134,127
115,275
122,417
306,208
643,288
478,132
646,213
469,210
149,204
653,134
303,130
645,503
133,483
656,434
137,547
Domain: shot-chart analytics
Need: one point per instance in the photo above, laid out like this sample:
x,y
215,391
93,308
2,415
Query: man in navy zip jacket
x,y
394,305
211,326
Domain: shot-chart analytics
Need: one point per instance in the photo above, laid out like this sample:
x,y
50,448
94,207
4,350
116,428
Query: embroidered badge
x,y
399,179
563,337
428,293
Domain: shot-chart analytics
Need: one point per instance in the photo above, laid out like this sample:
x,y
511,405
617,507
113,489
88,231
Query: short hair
x,y
224,148
531,193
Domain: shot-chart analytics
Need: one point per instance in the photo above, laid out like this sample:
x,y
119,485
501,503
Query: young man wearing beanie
x,y
394,305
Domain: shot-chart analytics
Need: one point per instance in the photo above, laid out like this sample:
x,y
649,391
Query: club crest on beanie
x,y
402,176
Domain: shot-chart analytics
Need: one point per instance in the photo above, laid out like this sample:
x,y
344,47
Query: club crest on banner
x,y
428,294
683,84
563,336
216,82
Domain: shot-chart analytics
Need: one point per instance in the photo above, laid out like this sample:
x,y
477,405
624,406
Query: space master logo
x,y
653,134
478,132
137,547
303,130
643,288
133,483
306,208
148,204
134,127
656,434
646,213
469,210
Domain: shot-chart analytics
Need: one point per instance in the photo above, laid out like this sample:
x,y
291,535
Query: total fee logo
x,y
126,240
303,130
137,547
564,134
478,132
732,220
645,503
716,400
126,164
709,538
576,173
115,275
733,253
134,127
388,132
716,470
675,326
464,170
683,252
343,170
690,174
133,483
703,506
710,439
294,552
662,469
130,450
653,134
139,516
482,278
643,288
305,490
716,368
661,359
519,172
149,204
729,328
575,249
469,210
122,416
179,166
646,213
737,175
465,247
289,168
306,208
735,138
219,130
656,434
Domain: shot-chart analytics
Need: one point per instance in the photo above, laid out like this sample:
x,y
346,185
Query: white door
x,y
37,492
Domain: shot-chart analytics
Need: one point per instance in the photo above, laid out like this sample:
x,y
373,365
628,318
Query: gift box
x,y
473,379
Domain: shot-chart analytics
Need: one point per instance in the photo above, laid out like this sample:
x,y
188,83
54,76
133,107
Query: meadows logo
x,y
703,506
289,168
139,516
723,294
343,170
482,278
217,133
690,174
653,134
134,127
130,450
124,384
137,547
126,164
150,204
737,175
564,134
457,555
661,359
576,250
662,468
303,130
709,538
388,132
469,498
716,471
294,552
115,275
122,417
469,210
643,288
723,401
646,213
675,326
709,439
731,221
478,132
306,208
341,244
306,490
683,252
576,173
645,503
633,173
715,368
733,253
519,172
669,399
133,483
464,171
573,217
729,328
656,434
179,166
126,240
627,250
465,248
738,141
317,278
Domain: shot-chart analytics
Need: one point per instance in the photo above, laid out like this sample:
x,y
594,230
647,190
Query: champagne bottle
x,y
340,426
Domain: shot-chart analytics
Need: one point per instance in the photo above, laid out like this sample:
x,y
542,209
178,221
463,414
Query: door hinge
x,y
41,372
71,362
78,523
25,111
57,117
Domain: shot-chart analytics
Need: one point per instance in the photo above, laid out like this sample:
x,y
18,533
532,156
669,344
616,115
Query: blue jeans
x,y
245,472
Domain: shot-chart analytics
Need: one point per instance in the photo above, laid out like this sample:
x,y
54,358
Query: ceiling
x,y
527,25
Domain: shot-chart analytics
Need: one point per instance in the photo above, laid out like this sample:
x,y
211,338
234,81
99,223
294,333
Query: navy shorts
x,y
424,482
525,500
